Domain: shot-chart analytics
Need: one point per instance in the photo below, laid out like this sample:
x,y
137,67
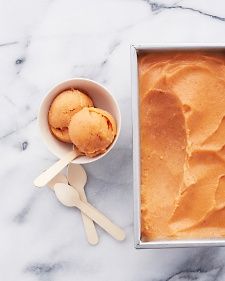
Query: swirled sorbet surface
x,y
182,124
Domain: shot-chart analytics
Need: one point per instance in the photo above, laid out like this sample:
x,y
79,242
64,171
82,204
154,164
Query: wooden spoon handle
x,y
89,226
51,172
114,230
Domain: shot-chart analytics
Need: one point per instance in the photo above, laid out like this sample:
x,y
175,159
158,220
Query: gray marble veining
x,y
42,43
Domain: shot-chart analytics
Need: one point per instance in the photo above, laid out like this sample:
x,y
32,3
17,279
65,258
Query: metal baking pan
x,y
134,50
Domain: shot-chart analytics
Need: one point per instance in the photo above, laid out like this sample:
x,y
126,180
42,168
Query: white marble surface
x,y
41,43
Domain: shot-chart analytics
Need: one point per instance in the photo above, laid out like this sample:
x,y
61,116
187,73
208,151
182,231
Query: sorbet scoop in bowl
x,y
92,130
87,125
63,107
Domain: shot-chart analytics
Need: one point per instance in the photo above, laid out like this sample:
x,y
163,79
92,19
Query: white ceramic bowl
x,y
101,98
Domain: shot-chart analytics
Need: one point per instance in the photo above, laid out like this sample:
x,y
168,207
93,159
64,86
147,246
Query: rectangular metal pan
x,y
134,50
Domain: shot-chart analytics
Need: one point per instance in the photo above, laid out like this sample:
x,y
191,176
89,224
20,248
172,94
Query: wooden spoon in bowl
x,y
51,172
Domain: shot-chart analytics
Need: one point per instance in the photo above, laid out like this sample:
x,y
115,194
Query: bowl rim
x,y
51,92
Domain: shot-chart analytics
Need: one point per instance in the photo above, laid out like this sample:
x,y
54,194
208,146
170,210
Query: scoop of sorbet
x,y
92,131
63,107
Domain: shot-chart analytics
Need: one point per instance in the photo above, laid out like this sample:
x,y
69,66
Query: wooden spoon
x,y
51,172
90,230
77,178
69,197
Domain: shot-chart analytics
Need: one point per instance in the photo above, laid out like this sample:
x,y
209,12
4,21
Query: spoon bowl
x,y
76,175
66,194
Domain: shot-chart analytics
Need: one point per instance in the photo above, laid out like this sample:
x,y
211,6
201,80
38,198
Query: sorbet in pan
x,y
182,120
